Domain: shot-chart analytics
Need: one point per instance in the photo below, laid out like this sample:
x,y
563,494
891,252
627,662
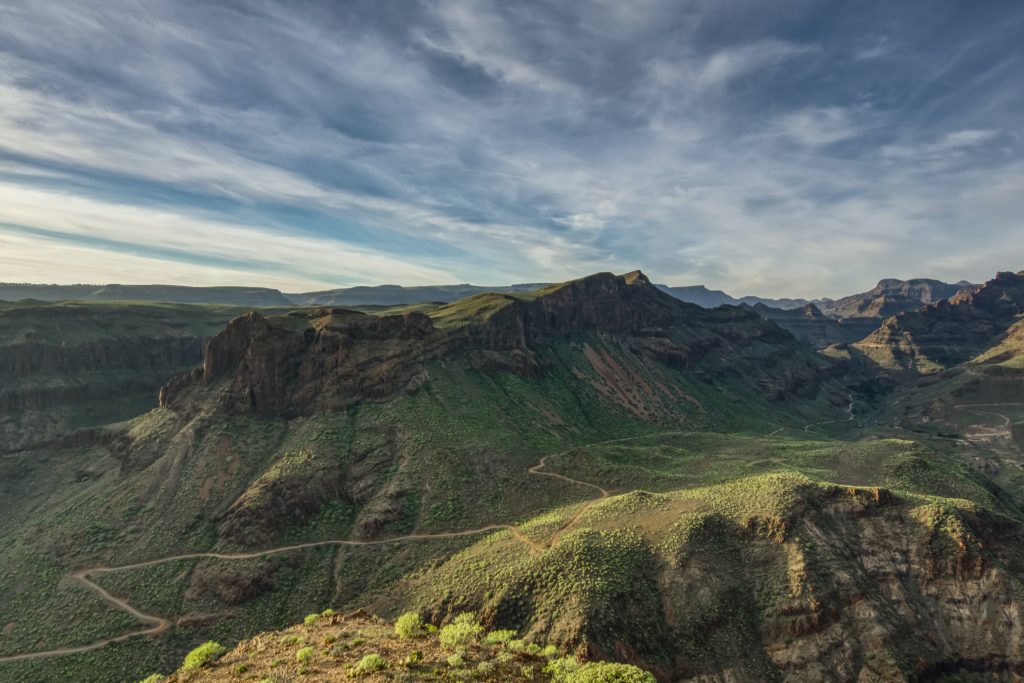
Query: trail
x,y
158,624
848,418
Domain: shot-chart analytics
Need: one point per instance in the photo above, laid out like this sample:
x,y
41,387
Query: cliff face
x,y
892,296
49,390
67,366
952,331
294,364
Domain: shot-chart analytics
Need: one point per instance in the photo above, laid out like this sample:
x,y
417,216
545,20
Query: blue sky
x,y
785,148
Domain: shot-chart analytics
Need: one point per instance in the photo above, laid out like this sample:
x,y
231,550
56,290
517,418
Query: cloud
x,y
446,140
949,145
819,126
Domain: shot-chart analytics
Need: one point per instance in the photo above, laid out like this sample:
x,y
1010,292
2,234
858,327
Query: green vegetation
x,y
369,664
409,625
463,631
201,656
304,655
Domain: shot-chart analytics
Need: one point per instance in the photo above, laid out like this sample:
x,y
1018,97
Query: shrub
x,y
560,669
456,660
485,668
604,672
327,612
311,619
412,658
499,637
409,625
304,655
463,631
549,651
241,668
369,664
203,655
152,678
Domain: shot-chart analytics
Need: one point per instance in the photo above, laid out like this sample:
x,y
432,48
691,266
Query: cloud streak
x,y
441,141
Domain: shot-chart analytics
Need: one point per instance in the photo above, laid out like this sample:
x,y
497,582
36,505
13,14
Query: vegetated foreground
x,y
330,647
608,472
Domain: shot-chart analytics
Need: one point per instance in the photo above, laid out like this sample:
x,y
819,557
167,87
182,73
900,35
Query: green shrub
x,y
560,669
304,655
456,660
463,631
203,655
327,612
409,626
369,664
549,652
605,672
311,619
241,668
499,637
412,658
485,668
152,678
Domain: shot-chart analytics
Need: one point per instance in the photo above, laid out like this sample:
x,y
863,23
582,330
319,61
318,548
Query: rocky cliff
x,y
951,331
331,358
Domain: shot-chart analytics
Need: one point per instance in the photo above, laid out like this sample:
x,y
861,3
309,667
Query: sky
x,y
786,148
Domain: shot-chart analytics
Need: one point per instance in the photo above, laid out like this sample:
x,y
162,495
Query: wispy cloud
x,y
314,145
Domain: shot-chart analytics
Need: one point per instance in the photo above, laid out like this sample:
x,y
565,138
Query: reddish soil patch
x,y
7,629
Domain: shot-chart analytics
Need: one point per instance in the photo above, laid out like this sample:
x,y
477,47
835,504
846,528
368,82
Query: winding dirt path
x,y
155,624
848,418
158,624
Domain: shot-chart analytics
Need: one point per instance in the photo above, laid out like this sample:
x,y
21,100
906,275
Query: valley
x,y
597,465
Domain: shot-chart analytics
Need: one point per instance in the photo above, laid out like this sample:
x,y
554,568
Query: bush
x,y
304,655
499,637
409,626
311,619
560,669
463,631
604,672
370,664
485,668
152,678
203,655
327,612
456,660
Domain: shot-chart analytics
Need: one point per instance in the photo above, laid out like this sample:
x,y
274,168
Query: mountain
x,y
65,366
232,296
952,331
810,325
606,470
328,425
395,295
710,298
891,296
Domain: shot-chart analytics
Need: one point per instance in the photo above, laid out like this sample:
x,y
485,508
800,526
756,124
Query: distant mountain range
x,y
888,297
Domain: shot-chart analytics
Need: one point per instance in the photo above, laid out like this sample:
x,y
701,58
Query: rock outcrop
x,y
293,364
951,331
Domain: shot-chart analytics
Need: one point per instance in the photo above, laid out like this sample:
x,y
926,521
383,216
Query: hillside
x,y
331,425
951,331
359,647
64,366
596,465
810,325
891,296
